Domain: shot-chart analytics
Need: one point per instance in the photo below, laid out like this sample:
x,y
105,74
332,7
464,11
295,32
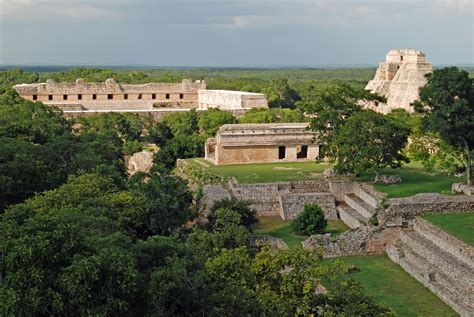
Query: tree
x,y
247,215
180,147
64,263
330,108
211,120
182,123
167,203
286,97
447,105
310,221
368,142
262,115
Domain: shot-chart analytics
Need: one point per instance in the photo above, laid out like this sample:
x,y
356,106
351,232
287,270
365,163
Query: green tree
x,y
368,142
330,108
211,120
176,282
310,221
181,146
447,105
64,263
247,215
286,97
167,203
262,115
182,123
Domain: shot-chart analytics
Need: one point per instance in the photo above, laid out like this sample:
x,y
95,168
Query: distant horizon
x,y
250,67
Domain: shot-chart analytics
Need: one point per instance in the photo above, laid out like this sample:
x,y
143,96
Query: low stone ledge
x,y
445,241
408,208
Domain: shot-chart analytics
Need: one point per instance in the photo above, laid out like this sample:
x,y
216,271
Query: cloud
x,y
457,4
58,9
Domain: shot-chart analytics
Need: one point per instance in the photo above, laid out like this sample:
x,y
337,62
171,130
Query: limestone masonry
x,y
81,97
399,79
230,100
261,143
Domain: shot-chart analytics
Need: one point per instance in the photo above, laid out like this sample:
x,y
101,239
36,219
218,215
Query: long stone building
x,y
82,98
110,95
262,143
399,79
230,100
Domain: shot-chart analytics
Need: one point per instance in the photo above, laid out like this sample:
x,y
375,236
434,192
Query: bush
x,y
248,215
131,147
310,221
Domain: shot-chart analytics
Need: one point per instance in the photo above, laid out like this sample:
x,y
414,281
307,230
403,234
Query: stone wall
x,y
408,208
438,261
293,203
445,241
266,197
225,99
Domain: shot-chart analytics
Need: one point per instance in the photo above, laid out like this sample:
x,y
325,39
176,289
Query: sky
x,y
233,33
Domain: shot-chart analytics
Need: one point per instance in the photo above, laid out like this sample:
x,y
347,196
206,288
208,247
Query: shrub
x,y
310,221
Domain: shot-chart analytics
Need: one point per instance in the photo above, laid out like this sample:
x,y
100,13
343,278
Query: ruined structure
x,y
399,79
151,98
230,100
262,143
111,96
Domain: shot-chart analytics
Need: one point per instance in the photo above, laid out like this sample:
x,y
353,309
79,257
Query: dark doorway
x,y
94,96
110,96
281,152
50,97
125,96
79,97
302,152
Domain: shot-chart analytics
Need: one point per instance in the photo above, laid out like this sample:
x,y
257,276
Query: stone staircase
x,y
356,209
446,271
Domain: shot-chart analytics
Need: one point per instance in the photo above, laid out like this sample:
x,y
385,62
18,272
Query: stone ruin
x,y
399,79
156,99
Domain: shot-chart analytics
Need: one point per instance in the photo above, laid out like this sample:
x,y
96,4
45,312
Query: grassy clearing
x,y
278,228
415,180
266,173
459,225
387,283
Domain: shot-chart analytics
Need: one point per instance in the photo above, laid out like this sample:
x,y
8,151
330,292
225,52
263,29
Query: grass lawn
x,y
387,283
266,172
415,179
278,228
459,225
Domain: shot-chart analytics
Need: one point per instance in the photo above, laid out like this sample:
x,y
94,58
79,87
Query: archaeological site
x,y
262,143
157,99
399,79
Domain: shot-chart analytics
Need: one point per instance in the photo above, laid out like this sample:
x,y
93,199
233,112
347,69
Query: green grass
x,y
459,225
415,180
268,172
278,228
387,283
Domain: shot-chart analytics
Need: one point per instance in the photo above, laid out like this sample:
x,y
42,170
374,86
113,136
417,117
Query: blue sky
x,y
233,32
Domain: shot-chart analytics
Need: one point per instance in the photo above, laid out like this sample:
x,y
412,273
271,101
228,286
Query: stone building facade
x,y
111,96
262,143
230,100
157,99
399,79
